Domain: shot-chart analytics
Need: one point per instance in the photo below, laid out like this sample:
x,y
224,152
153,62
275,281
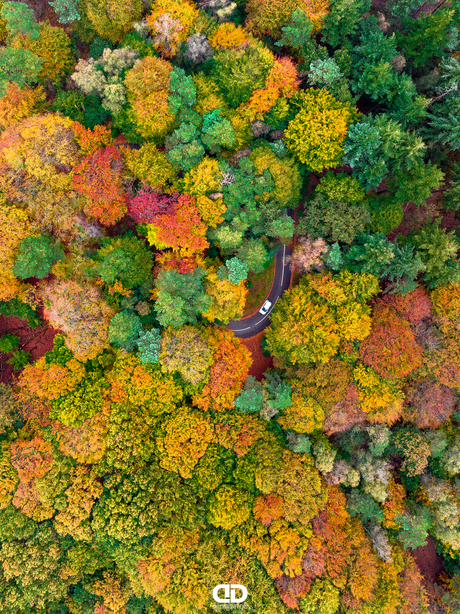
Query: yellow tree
x,y
228,299
317,133
14,227
147,87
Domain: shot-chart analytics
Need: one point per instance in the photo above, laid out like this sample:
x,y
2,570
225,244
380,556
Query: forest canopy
x,y
157,159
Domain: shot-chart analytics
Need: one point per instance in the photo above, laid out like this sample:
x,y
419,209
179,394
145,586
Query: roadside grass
x,y
258,291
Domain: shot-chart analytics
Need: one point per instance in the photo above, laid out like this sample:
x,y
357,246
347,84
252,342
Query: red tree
x,y
147,205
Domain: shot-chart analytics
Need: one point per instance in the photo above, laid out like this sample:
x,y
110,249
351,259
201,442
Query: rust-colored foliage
x,y
32,460
330,527
325,382
413,307
346,413
232,361
414,598
430,404
167,551
98,179
292,589
391,348
239,432
282,80
346,551
283,76
394,505
269,508
169,261
148,204
446,302
361,569
80,313
85,443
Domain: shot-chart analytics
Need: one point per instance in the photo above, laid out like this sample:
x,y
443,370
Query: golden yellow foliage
x,y
14,227
381,398
203,181
228,35
17,104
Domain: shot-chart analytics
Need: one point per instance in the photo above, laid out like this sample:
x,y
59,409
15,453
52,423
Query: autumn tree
x,y
147,204
147,86
15,227
390,348
111,21
80,313
304,414
228,299
312,318
430,404
229,506
19,103
41,145
230,369
98,179
266,18
203,182
186,352
31,572
187,434
326,120
170,22
53,47
182,230
380,398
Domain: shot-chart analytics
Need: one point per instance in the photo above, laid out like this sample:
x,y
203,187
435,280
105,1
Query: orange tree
x,y
98,179
182,230
390,348
228,373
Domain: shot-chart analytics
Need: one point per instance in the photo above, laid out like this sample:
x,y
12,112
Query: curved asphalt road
x,y
252,325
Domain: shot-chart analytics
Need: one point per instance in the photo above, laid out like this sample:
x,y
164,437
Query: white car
x,y
265,307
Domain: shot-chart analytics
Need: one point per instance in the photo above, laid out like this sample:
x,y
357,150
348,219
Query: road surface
x,y
247,327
